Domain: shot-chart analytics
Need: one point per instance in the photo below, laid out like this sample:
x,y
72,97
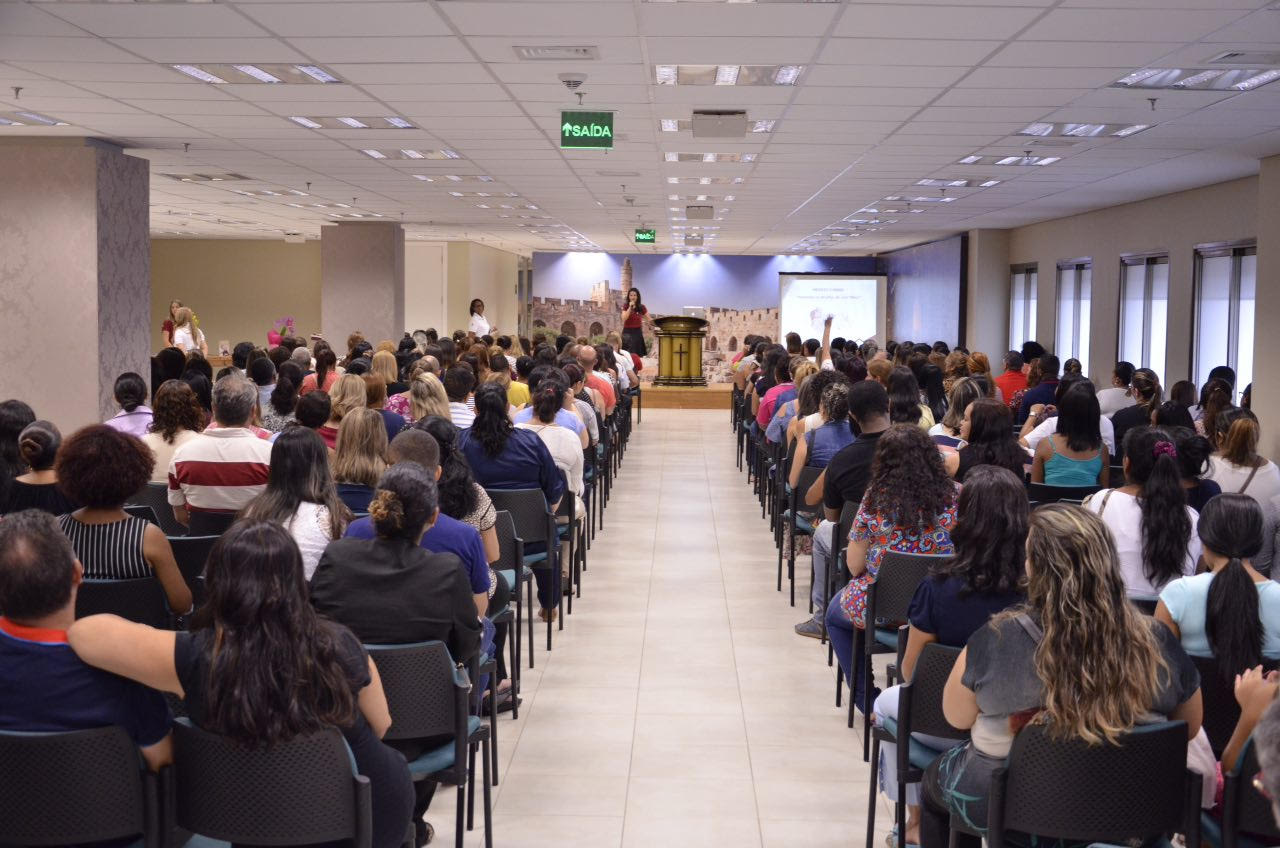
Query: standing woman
x,y
166,329
480,325
187,336
634,316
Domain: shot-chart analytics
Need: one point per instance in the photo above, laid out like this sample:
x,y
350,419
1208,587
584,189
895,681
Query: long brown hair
x,y
361,452
1099,661
1237,432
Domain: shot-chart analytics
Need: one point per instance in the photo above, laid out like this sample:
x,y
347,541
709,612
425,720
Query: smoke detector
x,y
573,81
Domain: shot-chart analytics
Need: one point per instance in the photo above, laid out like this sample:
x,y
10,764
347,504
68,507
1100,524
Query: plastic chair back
x,y
1066,789
75,787
528,508
1221,711
920,701
510,545
210,523
299,792
1244,809
141,599
889,596
191,553
144,512
421,687
1040,493
156,496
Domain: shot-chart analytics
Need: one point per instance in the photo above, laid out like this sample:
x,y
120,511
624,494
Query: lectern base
x,y
680,381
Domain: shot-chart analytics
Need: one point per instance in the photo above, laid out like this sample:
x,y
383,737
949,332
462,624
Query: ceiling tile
x,y
1129,24
156,20
902,20
348,19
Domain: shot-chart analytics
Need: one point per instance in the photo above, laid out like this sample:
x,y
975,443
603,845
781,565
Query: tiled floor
x,y
677,707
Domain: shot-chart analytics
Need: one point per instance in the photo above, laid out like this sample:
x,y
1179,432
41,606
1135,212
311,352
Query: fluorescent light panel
x,y
727,74
709,157
27,119
1198,79
316,122
1044,129
409,154
269,74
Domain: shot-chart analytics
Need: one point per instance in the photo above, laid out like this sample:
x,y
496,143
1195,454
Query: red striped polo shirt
x,y
220,470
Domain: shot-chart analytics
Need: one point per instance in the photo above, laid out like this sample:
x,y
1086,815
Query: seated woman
x,y
819,445
260,667
178,419
946,433
38,488
1145,394
577,395
1216,397
1231,612
1077,655
326,373
101,468
360,458
300,495
460,496
402,402
565,446
1042,420
375,395
1193,462
348,394
786,411
904,400
1237,467
1074,455
960,596
134,416
503,457
909,507
933,394
278,410
1149,516
987,433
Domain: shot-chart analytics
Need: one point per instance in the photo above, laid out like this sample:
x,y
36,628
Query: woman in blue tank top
x,y
1075,455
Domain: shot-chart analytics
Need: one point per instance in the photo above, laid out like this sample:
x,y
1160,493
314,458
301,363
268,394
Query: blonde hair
x,y
346,395
384,366
361,453
1099,660
879,370
386,345
979,363
427,397
803,372
182,317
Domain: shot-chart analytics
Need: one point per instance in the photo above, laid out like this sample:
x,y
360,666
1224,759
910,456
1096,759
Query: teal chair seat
x,y
534,559
441,758
804,523
920,755
509,575
888,638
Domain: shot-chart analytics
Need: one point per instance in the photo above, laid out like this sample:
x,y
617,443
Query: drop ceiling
x,y
890,94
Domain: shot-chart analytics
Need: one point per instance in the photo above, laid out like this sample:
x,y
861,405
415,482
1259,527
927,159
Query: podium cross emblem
x,y
682,353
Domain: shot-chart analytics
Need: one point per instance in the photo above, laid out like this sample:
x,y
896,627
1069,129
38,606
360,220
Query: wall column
x,y
361,282
1266,342
986,311
75,275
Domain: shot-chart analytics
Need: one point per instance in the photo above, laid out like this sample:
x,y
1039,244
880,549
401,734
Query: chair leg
x,y
514,647
871,791
460,825
493,721
572,561
471,785
839,687
868,680
488,799
899,808
528,584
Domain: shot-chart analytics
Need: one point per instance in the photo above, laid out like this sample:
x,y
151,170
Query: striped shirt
x,y
221,470
108,551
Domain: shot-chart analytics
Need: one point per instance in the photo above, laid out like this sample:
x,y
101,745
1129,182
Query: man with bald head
x,y
587,359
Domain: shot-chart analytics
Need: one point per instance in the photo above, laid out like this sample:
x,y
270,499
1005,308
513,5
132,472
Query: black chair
x,y
797,525
76,787
141,599
191,553
144,512
1221,711
299,792
572,533
919,711
1246,814
1042,494
510,564
836,572
210,523
889,600
535,524
156,496
1138,789
427,696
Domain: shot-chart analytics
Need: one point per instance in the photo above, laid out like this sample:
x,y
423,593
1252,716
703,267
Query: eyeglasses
x,y
1261,786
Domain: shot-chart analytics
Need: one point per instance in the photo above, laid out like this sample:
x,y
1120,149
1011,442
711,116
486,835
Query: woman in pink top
x,y
784,389
326,373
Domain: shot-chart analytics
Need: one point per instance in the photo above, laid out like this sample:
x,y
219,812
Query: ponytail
x,y
1231,526
1166,527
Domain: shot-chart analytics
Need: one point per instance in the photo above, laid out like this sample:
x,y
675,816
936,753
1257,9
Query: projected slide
x,y
806,300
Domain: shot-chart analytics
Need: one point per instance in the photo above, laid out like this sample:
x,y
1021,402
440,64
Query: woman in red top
x,y
634,315
166,329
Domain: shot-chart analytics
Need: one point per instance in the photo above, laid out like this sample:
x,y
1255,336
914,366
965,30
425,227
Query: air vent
x,y
697,213
562,53
1048,142
1251,58
719,124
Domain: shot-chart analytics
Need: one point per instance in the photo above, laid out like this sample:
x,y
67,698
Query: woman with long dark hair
x,y
1216,397
904,400
987,433
1077,656
564,444
460,496
909,507
1231,612
1237,467
503,457
278,411
1074,455
260,667
326,373
1149,516
982,578
1193,461
14,417
634,316
300,495
933,392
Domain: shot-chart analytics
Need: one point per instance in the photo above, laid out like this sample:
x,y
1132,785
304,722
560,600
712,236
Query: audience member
x,y
581,402
961,594
1043,420
1075,454
202,386
905,406
345,396
177,419
955,367
461,497
101,468
1077,655
38,487
384,367
1014,379
312,411
1171,414
1118,395
360,458
1043,390
587,357
819,446
376,398
784,411
1145,396
260,667
300,495
213,475
47,688
1193,462
1149,516
279,409
262,371
909,507
964,391
134,416
325,375
565,446
1183,393
458,384
986,431
1237,467
1222,373
1215,399
14,418
933,392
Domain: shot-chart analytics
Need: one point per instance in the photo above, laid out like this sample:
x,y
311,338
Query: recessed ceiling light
x,y
270,74
412,154
989,183
1195,79
317,73
354,123
670,125
257,73
23,119
424,178
727,74
1125,132
374,154
306,122
1257,80
969,160
198,73
763,126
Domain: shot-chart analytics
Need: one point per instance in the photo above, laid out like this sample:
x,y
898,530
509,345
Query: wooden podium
x,y
680,351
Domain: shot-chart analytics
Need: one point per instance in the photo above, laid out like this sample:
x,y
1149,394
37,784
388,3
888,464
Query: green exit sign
x,y
593,130
646,236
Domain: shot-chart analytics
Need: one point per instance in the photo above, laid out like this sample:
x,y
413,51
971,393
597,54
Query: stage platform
x,y
714,396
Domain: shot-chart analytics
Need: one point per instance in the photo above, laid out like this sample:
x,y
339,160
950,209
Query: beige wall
x,y
1266,346
476,270
986,309
362,281
424,285
1173,224
236,286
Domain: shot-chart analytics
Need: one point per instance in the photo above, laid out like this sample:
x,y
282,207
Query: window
x,y
1022,306
1075,285
1226,279
1144,307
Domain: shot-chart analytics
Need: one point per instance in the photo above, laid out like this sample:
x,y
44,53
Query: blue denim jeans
x,y
840,631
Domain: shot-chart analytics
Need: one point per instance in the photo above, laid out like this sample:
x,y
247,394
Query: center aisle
x,y
678,708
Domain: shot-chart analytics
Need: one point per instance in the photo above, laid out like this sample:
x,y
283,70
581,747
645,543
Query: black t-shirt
x,y
386,768
849,472
42,496
1125,420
